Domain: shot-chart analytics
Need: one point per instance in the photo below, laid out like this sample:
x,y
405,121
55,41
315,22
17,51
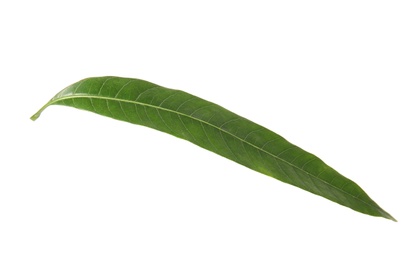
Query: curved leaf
x,y
216,129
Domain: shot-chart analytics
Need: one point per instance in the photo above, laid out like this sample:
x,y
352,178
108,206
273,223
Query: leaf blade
x,y
217,129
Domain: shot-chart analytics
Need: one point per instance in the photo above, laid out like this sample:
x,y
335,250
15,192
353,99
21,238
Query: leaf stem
x,y
37,114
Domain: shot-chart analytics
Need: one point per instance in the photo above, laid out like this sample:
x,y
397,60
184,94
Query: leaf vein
x,y
122,87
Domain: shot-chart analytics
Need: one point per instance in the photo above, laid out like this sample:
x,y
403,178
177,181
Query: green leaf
x,y
217,129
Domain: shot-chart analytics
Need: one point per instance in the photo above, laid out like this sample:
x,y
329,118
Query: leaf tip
x,y
391,217
386,215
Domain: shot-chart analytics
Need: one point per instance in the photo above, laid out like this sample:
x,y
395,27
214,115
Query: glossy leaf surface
x,y
216,129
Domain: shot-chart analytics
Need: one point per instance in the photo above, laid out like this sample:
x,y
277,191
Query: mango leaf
x,y
216,129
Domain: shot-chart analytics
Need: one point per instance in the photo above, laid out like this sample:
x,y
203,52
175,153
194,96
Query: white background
x,y
336,78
